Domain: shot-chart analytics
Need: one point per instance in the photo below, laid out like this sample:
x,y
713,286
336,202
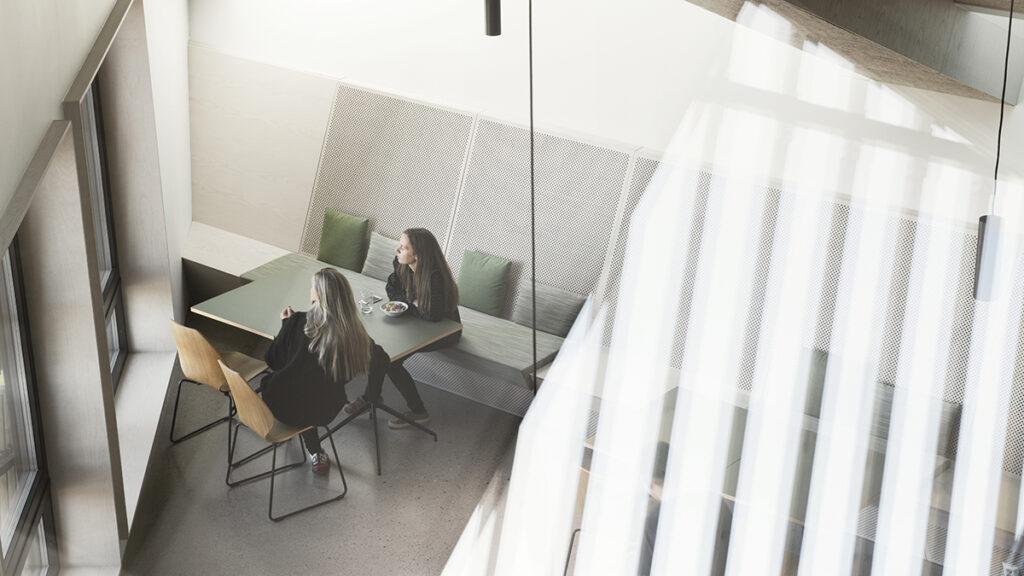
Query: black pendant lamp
x,y
492,17
990,226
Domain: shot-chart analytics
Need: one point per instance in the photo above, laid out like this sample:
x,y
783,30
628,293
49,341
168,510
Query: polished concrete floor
x,y
404,522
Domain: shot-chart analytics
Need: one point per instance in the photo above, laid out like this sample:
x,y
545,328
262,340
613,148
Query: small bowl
x,y
393,308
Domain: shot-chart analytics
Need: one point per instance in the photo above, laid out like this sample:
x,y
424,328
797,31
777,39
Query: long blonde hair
x,y
336,334
429,257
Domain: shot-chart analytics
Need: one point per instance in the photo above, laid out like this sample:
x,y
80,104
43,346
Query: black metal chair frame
x,y
274,471
204,428
372,407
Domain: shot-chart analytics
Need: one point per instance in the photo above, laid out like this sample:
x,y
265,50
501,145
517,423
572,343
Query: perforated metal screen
x,y
577,191
838,239
394,161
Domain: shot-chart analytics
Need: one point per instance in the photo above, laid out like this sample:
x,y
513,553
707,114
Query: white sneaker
x,y
321,463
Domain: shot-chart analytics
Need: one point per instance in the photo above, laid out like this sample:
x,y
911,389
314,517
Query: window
x,y
26,533
103,227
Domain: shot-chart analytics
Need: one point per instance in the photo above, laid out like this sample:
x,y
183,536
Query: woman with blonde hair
x,y
423,280
314,355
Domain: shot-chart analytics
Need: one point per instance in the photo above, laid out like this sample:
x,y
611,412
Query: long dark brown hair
x,y
429,257
336,334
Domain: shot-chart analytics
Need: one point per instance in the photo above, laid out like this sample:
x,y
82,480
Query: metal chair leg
x,y
231,452
376,435
198,431
270,509
259,476
568,555
341,470
273,474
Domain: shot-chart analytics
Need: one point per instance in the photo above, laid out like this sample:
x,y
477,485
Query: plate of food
x,y
394,308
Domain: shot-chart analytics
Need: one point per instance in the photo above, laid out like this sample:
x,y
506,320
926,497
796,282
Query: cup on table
x,y
366,301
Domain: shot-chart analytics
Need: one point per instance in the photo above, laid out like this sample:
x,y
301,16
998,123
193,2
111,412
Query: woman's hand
x,y
287,312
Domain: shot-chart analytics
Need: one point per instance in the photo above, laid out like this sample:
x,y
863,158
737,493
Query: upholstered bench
x,y
492,363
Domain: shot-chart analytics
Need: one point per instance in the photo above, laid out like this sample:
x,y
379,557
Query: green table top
x,y
256,307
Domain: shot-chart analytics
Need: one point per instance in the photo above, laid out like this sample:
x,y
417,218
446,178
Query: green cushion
x,y
344,240
482,284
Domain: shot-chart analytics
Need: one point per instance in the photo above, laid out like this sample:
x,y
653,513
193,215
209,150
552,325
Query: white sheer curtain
x,y
797,379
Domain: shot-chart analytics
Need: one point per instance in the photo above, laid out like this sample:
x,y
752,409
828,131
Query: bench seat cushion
x,y
504,342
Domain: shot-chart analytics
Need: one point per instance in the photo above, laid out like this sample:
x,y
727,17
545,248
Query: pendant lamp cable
x,y
533,206
1002,111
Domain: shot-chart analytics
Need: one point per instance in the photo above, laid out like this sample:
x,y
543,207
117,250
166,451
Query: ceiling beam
x,y
995,7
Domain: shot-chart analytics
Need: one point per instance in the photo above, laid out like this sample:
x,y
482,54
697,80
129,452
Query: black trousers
x,y
311,438
403,380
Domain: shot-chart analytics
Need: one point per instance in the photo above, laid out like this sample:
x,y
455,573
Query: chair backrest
x,y
252,410
198,358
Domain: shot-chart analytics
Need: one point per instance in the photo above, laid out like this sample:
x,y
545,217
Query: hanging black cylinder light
x,y
990,225
492,17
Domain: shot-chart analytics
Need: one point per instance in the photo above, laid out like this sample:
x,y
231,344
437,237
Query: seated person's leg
x,y
379,363
311,438
319,460
406,387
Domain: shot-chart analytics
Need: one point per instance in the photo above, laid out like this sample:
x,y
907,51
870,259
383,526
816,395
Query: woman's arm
x,y
394,286
277,355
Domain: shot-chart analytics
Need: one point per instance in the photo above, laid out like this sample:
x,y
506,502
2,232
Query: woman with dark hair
x,y
423,280
314,355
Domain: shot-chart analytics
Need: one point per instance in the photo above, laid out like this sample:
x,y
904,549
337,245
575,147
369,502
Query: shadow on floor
x,y
404,522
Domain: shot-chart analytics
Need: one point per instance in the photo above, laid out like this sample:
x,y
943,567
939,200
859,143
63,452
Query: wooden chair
x,y
256,415
199,366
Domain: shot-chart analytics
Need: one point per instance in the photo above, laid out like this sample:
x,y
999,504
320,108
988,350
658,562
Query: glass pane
x,y
96,168
113,342
36,560
17,449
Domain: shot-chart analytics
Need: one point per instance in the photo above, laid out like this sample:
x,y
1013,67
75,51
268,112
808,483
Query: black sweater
x,y
437,309
299,392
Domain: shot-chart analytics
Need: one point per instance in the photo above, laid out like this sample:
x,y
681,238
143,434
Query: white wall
x,y
43,43
167,38
256,137
632,73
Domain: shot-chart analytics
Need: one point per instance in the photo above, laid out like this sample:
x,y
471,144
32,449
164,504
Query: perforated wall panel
x,y
838,239
1013,453
640,177
391,160
762,271
578,186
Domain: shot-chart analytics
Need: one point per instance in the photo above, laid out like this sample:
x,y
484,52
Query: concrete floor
x,y
404,522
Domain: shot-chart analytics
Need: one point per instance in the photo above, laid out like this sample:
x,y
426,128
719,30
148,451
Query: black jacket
x,y
299,392
437,312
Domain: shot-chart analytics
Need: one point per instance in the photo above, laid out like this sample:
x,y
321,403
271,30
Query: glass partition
x,y
782,369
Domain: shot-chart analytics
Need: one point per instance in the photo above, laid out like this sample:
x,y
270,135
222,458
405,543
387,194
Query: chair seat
x,y
246,366
282,432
